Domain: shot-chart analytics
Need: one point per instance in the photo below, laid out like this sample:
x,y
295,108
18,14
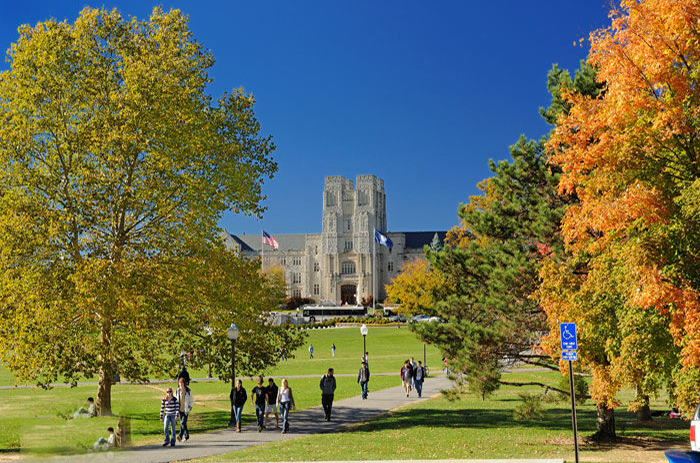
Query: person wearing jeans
x,y
257,397
183,394
327,386
363,379
418,378
238,398
285,401
169,409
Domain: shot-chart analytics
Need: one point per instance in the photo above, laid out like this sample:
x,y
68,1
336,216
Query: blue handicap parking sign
x,y
568,336
568,355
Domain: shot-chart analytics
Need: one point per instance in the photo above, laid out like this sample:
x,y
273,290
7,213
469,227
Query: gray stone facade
x,y
337,264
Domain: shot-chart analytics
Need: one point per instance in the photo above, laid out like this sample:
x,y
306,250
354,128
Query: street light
x,y
232,334
209,332
363,331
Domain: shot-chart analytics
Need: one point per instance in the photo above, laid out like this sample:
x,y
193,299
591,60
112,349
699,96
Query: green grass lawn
x,y
388,347
35,420
472,428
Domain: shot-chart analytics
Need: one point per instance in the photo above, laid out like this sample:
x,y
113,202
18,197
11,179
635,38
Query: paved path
x,y
302,423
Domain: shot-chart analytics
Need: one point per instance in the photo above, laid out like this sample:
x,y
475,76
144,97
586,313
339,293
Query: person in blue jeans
x,y
169,409
238,398
418,378
257,398
285,401
363,379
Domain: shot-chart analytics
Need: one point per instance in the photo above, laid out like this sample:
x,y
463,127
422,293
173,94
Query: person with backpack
x,y
327,386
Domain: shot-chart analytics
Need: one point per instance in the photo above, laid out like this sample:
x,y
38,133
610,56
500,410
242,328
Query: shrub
x,y
530,407
580,388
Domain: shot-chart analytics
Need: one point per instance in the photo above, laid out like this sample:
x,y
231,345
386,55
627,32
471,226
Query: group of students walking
x,y
266,399
412,376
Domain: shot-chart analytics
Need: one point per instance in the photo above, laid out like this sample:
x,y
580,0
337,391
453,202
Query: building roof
x,y
417,240
290,242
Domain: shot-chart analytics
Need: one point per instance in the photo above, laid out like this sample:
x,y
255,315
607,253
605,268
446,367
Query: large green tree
x,y
116,165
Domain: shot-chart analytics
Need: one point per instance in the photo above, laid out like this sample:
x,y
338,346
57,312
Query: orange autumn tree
x,y
631,158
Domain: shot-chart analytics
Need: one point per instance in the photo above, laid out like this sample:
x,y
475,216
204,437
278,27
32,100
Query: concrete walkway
x,y
302,423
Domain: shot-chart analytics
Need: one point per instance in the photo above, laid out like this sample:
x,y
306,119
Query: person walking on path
x,y
419,377
311,351
169,409
333,349
285,401
363,379
271,391
184,374
414,367
258,397
406,375
183,394
238,398
327,386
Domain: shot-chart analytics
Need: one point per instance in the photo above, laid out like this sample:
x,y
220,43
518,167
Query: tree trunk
x,y
605,424
104,388
644,413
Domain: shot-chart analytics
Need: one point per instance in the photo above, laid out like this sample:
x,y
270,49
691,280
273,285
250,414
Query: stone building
x,y
336,264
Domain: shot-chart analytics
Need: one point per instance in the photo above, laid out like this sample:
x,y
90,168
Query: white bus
x,y
316,313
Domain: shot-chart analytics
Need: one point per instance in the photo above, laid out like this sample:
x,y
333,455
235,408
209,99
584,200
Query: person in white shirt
x,y
183,394
103,443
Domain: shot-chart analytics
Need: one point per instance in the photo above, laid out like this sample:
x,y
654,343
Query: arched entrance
x,y
347,294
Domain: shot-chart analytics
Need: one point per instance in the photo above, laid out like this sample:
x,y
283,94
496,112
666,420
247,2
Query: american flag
x,y
270,240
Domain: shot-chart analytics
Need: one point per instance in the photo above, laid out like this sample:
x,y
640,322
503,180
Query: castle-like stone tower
x,y
337,265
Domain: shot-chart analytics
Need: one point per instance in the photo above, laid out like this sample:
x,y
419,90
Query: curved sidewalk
x,y
302,423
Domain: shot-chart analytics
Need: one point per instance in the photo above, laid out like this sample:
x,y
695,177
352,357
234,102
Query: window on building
x,y
284,261
317,290
348,268
296,261
296,277
316,267
348,225
315,249
348,245
296,292
391,266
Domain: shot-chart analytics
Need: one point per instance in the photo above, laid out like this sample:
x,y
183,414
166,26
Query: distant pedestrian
x,y
311,351
365,358
327,386
285,401
184,374
414,366
406,375
169,410
363,379
271,391
333,350
445,366
183,394
238,398
258,397
419,377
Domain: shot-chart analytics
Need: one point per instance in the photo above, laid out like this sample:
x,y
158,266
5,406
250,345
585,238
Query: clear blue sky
x,y
419,93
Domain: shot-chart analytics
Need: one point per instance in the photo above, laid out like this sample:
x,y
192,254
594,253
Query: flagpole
x,y
262,251
374,271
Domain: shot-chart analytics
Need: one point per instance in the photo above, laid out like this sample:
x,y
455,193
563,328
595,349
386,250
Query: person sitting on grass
x,y
103,443
88,412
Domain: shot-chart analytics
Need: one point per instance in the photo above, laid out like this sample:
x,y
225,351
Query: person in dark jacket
x,y
258,397
363,379
419,377
184,374
238,398
327,386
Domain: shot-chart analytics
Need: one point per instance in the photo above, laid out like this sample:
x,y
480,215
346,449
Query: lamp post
x,y
209,348
232,334
363,331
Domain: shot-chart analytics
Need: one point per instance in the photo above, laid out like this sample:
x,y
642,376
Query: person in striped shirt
x,y
169,409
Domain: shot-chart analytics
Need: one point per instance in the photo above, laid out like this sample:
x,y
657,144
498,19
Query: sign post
x,y
569,345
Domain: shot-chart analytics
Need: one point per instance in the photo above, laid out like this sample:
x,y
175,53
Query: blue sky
x,y
419,93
